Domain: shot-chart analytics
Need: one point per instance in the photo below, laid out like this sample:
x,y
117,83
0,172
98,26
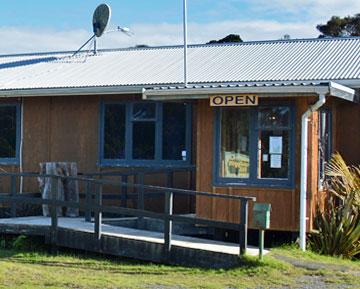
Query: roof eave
x,y
342,91
330,88
68,91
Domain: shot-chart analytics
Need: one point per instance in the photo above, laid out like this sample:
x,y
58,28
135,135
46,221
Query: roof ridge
x,y
254,42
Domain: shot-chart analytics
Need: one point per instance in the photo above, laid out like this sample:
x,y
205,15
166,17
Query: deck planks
x,y
209,248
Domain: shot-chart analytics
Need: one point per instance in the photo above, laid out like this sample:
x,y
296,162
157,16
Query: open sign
x,y
234,100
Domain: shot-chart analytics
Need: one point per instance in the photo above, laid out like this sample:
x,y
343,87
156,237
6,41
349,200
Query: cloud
x,y
319,10
298,18
252,30
16,39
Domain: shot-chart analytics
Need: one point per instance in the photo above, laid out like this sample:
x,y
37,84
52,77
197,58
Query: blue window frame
x,y
254,146
9,133
145,133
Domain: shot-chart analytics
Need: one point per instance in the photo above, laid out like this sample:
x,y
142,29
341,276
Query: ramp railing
x,y
93,204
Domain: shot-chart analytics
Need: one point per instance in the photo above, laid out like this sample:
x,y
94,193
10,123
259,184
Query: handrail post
x,y
98,215
170,179
124,180
53,209
88,197
168,224
140,181
13,195
244,208
140,200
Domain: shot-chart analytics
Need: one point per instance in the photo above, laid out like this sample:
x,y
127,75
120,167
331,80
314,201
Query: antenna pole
x,y
185,40
95,49
76,52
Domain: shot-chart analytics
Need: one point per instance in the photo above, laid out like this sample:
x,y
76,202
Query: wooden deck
x,y
134,243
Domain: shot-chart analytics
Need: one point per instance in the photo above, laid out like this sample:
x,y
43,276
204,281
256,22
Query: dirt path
x,y
318,275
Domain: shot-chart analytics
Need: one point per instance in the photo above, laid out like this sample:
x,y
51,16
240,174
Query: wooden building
x,y
256,118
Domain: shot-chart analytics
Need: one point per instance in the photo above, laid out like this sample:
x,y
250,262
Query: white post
x,y
185,40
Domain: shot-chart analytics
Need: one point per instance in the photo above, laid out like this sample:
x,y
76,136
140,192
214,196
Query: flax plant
x,y
338,223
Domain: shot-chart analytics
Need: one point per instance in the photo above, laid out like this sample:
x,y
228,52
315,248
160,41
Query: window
x,y
9,133
234,156
254,145
146,133
273,141
324,134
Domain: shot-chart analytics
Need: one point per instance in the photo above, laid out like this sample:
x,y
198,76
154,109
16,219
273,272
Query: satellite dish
x,y
101,19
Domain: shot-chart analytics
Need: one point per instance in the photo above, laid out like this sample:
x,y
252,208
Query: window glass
x,y
324,141
145,131
273,142
254,145
114,131
144,111
143,140
174,131
234,152
273,154
273,117
7,131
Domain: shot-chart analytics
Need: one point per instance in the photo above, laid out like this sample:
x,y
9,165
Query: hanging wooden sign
x,y
234,100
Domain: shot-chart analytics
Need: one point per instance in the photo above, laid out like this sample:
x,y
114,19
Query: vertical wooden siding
x,y
66,128
347,124
285,202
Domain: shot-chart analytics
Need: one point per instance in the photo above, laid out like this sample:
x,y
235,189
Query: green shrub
x,y
20,243
338,223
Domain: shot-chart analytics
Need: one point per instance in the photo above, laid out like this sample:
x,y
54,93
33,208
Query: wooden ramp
x,y
97,236
122,241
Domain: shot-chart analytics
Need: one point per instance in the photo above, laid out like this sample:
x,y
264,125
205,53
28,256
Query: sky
x,y
43,25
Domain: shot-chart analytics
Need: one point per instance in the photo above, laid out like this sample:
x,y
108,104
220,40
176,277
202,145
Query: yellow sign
x,y
234,100
236,165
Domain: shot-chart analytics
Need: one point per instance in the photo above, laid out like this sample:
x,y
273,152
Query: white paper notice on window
x,y
265,158
275,161
275,145
183,155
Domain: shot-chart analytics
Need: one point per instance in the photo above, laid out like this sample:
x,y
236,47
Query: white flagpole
x,y
185,40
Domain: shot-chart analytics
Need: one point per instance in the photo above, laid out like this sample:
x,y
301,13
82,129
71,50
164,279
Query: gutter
x,y
304,163
98,90
204,92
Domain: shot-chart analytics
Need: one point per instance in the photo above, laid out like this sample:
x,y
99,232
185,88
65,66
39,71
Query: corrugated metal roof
x,y
248,62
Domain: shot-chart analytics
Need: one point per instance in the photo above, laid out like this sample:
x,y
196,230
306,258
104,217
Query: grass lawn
x,y
26,269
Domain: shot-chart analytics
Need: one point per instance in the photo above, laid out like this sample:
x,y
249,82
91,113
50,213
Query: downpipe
x,y
304,163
